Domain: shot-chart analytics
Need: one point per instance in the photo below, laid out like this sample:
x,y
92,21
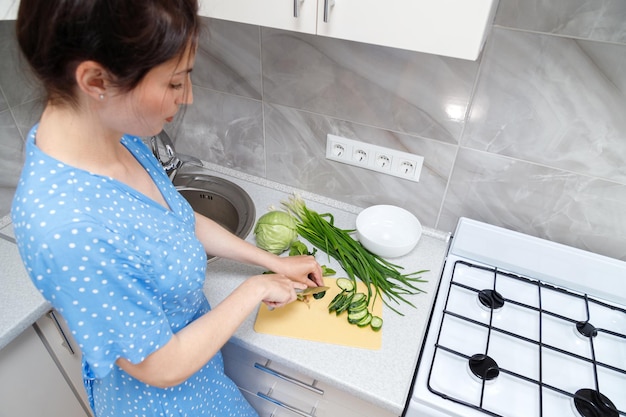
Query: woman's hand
x,y
221,243
277,289
302,268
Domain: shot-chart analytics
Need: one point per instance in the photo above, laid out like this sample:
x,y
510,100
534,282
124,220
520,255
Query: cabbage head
x,y
275,231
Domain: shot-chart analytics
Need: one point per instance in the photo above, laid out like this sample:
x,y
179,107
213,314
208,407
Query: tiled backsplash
x,y
532,136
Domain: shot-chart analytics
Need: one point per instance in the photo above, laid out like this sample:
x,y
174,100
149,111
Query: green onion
x,y
381,277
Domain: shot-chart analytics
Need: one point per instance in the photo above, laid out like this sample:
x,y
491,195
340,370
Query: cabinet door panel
x,y
66,350
445,27
305,394
270,13
266,408
31,383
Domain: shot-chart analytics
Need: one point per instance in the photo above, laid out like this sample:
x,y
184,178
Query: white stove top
x,y
523,327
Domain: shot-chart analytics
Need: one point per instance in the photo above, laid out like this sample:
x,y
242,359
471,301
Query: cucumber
x,y
345,284
358,303
358,297
376,323
344,305
336,301
319,295
365,320
357,316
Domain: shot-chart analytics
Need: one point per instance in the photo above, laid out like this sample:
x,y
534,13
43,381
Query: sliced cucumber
x,y
357,316
365,320
356,304
345,284
344,304
319,295
336,301
376,323
358,297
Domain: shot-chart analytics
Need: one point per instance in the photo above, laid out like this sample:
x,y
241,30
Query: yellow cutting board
x,y
313,322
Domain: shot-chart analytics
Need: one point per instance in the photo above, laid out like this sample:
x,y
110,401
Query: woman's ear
x,y
92,79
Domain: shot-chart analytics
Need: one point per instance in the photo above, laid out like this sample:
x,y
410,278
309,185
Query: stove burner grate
x,y
591,403
587,402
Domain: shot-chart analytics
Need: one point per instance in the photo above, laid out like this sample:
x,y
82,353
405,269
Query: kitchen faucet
x,y
172,161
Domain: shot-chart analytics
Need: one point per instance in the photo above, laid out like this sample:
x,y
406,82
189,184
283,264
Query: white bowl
x,y
388,231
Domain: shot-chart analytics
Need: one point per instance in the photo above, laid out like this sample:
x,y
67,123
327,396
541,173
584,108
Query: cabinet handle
x,y
327,5
66,342
296,8
289,379
285,406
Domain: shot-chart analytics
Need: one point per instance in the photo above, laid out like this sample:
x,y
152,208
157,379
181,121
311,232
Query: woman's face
x,y
156,100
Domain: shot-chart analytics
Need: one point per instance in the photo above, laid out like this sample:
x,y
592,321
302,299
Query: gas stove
x,y
523,327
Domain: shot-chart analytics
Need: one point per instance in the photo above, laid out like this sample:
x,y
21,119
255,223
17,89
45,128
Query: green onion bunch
x,y
379,275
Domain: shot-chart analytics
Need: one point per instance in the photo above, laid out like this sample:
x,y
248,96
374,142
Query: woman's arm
x,y
192,347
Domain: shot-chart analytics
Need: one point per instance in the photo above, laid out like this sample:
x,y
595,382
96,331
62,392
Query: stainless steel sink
x,y
220,200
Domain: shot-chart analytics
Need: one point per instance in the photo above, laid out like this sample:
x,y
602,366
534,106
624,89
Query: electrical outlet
x,y
376,158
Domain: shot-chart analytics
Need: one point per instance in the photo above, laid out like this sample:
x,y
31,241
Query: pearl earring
x,y
101,96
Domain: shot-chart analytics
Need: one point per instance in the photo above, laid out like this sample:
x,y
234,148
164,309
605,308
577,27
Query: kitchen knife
x,y
308,291
312,290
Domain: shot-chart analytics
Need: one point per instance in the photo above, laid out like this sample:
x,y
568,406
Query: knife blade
x,y
312,290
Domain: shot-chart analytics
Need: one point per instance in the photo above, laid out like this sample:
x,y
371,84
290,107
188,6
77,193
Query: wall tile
x,y
229,56
11,160
4,105
295,148
553,101
223,129
408,92
599,19
573,209
16,79
26,115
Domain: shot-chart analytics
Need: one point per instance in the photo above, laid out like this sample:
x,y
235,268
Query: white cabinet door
x,y
31,383
276,390
66,351
8,9
454,28
279,14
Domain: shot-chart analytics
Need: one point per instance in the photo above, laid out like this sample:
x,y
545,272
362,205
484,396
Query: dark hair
x,y
127,37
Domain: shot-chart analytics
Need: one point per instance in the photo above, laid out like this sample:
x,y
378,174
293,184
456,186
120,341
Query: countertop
x,y
20,302
382,377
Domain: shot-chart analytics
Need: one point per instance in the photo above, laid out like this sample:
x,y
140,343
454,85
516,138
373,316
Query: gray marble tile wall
x,y
532,136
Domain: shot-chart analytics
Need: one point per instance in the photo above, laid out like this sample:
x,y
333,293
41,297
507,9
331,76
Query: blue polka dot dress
x,y
126,273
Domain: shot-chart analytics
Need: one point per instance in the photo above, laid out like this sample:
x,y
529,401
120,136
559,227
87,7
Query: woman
x,y
103,233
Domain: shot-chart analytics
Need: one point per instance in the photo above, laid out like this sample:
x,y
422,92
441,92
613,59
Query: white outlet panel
x,y
376,158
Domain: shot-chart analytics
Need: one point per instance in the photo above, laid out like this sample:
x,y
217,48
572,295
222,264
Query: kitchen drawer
x,y
256,374
270,406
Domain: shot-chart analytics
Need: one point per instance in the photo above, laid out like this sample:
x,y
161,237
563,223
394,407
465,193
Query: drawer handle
x,y
288,379
285,406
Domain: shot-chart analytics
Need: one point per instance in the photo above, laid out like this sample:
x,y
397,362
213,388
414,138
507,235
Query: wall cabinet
x,y
276,390
8,9
455,28
295,15
32,383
